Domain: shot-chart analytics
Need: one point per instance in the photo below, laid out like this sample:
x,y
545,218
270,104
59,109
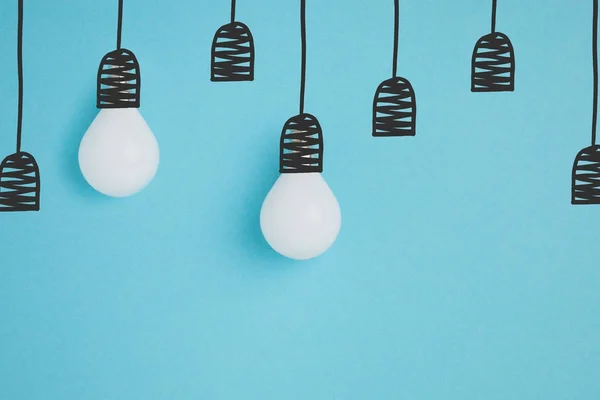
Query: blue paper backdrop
x,y
461,272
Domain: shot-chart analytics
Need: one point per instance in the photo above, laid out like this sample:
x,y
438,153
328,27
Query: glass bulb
x,y
300,217
118,154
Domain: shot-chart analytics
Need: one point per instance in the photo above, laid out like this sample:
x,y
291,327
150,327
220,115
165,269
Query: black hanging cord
x,y
20,73
494,4
595,61
232,10
303,65
120,25
396,33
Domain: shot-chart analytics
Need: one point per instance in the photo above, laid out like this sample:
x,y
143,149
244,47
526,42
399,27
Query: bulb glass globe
x,y
300,217
119,154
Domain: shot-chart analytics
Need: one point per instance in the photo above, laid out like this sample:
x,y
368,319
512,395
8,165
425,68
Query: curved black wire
x,y
595,62
19,172
585,186
303,64
20,73
396,33
120,24
494,5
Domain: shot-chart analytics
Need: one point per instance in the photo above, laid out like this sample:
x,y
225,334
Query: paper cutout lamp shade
x,y
301,145
232,56
394,108
300,217
20,183
119,154
119,80
586,176
493,64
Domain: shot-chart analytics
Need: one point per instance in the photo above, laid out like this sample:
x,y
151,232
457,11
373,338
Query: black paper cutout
x,y
232,53
493,61
395,106
19,172
119,80
585,188
301,143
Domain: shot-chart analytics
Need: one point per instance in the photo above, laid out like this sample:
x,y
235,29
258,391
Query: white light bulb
x,y
300,217
118,154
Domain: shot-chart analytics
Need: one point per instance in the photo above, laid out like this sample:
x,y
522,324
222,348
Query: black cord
x,y
232,10
20,73
494,15
303,65
396,33
120,25
595,61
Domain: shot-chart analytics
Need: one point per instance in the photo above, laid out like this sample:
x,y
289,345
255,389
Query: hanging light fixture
x,y
585,188
119,154
493,61
232,55
395,107
300,217
19,172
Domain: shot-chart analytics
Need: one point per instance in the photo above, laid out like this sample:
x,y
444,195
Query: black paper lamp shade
x,y
232,55
301,145
586,176
493,64
394,109
119,80
19,183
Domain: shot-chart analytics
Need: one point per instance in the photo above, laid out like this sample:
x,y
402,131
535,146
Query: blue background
x,y
461,271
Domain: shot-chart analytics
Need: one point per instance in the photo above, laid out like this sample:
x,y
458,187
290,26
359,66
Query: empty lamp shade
x,y
119,80
232,55
586,176
301,145
19,183
394,109
493,64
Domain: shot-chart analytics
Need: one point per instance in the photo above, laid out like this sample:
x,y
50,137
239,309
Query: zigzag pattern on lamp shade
x,y
493,64
19,183
232,55
586,176
394,109
301,145
119,80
